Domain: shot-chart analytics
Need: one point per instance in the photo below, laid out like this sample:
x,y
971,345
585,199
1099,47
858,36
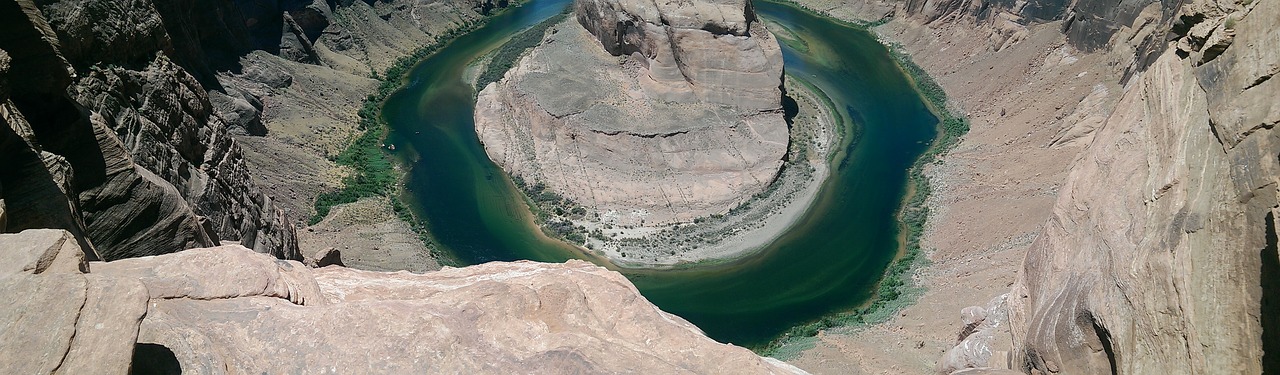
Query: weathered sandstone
x,y
1161,247
231,310
647,113
130,135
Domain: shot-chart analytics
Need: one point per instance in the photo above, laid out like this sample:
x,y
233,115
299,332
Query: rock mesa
x,y
645,111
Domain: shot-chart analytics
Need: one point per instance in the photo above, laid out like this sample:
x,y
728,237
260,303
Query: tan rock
x,y
39,320
662,123
107,327
713,49
494,318
217,273
327,257
57,318
231,310
1156,257
42,250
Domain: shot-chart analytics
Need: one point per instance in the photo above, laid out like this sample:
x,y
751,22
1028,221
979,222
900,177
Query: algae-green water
x,y
829,261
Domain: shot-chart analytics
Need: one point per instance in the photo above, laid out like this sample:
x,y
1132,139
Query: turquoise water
x,y
829,261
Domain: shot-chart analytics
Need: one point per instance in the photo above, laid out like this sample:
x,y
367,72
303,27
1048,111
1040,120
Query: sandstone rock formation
x,y
230,310
1159,254
125,115
69,170
1170,272
128,133
655,113
125,120
1156,256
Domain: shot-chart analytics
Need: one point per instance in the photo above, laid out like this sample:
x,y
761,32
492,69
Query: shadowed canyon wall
x,y
125,118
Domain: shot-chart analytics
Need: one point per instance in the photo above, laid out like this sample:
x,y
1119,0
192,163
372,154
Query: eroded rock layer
x,y
146,165
645,112
125,119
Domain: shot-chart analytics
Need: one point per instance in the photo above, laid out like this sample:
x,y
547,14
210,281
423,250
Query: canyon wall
x,y
1150,193
1157,253
126,119
125,125
645,113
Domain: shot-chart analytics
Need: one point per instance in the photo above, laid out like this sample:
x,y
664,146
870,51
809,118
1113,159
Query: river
x,y
829,261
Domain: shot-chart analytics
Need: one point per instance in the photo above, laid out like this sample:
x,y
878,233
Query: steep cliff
x,y
128,116
1159,250
1169,272
646,113
70,170
1120,175
230,310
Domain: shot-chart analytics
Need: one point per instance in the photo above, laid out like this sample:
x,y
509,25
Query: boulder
x,y
328,257
38,251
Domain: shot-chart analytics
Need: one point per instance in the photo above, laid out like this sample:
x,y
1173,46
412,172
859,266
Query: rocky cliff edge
x,y
231,310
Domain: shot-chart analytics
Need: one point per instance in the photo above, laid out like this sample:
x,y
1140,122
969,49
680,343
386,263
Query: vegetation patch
x,y
506,56
374,172
860,24
552,212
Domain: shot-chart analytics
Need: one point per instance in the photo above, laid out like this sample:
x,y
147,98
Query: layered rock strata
x,y
646,112
230,310
1171,272
153,169
127,118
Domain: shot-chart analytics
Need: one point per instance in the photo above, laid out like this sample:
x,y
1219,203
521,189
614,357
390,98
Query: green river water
x,y
829,261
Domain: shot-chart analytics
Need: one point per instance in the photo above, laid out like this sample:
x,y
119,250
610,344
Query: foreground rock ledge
x,y
231,310
647,113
